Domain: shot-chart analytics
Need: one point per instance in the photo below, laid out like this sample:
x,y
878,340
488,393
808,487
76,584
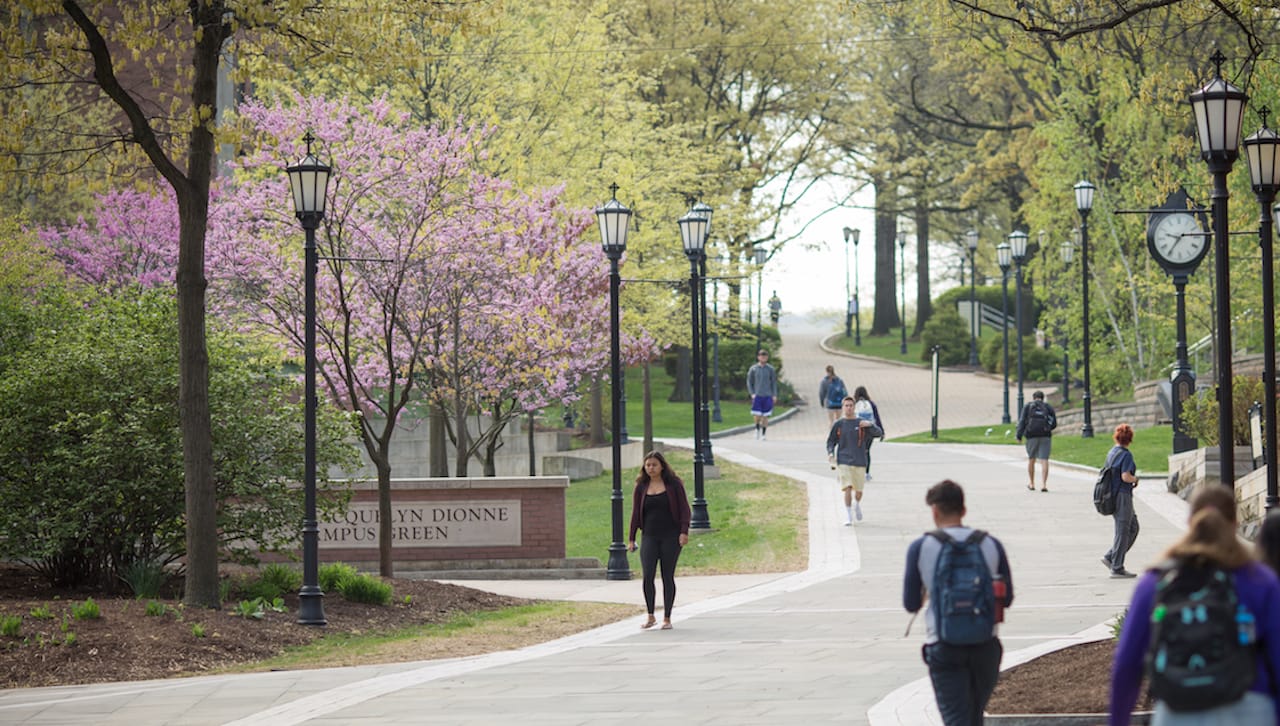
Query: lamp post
x,y
1263,151
971,239
1084,202
761,257
309,182
1018,246
708,458
857,300
902,283
851,298
1003,257
1067,250
1219,108
614,219
693,234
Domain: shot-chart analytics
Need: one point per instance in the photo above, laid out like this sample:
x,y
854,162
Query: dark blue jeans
x,y
963,678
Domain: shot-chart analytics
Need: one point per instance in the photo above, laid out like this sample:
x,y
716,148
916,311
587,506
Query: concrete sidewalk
x,y
825,645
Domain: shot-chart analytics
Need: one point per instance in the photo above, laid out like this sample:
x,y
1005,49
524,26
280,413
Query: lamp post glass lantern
x,y
1219,111
1004,257
693,235
1084,203
971,241
1018,248
309,182
614,220
1263,151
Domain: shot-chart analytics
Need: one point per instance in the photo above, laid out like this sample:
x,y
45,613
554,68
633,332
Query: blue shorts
x,y
762,406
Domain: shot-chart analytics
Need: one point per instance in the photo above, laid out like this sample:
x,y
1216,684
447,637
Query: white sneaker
x,y
857,511
848,523
757,434
762,436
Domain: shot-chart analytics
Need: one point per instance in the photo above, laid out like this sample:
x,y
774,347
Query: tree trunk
x,y
460,438
924,303
682,391
886,290
597,412
386,567
437,442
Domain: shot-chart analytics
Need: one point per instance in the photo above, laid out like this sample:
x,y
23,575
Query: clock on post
x,y
1178,242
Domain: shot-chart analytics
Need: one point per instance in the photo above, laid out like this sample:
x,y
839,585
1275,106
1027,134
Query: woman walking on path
x,y
660,507
831,393
1126,520
867,410
1208,550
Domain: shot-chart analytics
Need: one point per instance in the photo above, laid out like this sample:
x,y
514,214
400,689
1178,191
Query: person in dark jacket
x,y
660,508
848,444
1036,424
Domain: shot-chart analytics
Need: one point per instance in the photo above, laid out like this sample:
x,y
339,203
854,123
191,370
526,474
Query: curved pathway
x,y
826,645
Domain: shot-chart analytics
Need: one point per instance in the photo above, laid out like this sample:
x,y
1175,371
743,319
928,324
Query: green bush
x,y
197,630
1200,411
145,578
334,574
10,625
367,589
948,331
41,612
155,609
87,610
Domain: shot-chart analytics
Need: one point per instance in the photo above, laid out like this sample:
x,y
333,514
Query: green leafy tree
x,y
90,452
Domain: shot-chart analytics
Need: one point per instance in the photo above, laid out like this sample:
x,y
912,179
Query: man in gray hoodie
x,y
847,446
762,386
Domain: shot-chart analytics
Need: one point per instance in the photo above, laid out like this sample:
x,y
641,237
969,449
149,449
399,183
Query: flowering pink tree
x,y
132,240
436,281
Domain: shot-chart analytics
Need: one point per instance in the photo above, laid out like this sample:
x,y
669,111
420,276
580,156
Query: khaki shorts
x,y
851,477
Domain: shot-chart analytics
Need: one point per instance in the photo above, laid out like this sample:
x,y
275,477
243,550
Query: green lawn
x,y
758,520
1151,447
880,346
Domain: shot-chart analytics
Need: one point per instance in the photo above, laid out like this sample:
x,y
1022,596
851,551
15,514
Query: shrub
x,y
367,589
197,630
145,578
41,612
950,334
1117,624
69,638
250,609
1200,411
155,609
334,575
87,610
10,625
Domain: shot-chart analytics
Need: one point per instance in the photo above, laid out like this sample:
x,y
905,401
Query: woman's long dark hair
x,y
669,476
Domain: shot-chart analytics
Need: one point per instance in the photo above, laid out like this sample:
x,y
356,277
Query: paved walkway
x,y
826,645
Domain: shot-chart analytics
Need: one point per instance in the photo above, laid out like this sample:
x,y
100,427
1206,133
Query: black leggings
x,y
652,551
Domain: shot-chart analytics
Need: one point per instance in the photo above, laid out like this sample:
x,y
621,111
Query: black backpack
x,y
1203,640
1039,421
964,600
1104,490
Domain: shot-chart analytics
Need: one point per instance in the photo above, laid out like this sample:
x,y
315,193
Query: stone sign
x,y
479,523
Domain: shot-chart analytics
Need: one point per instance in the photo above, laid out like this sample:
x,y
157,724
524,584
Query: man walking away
x,y
762,386
967,578
1036,423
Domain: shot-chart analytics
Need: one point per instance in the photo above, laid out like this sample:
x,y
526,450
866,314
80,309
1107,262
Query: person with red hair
x,y
1126,520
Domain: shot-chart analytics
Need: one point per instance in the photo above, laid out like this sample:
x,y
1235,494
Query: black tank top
x,y
658,521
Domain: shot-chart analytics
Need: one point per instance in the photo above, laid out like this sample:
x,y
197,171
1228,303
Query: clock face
x,y
1177,240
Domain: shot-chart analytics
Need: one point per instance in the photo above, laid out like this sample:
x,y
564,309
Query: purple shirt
x,y
1258,590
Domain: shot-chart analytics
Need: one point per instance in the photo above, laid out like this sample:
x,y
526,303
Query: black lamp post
x,y
614,219
693,233
762,256
1219,109
1263,152
1018,246
708,458
1004,256
1067,250
902,283
851,298
1084,202
309,182
971,239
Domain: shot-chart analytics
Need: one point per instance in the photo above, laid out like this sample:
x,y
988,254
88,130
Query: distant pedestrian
x,y
1126,520
1202,629
952,564
659,507
1036,423
867,409
831,393
847,444
762,386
